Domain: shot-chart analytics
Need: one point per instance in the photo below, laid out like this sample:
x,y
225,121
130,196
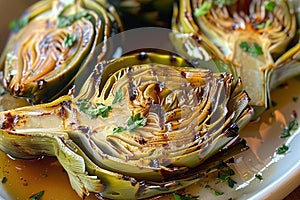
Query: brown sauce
x,y
28,177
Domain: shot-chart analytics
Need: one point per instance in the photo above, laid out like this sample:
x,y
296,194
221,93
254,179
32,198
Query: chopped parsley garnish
x,y
287,131
269,5
216,192
119,129
118,96
282,149
285,134
203,9
295,99
69,40
64,21
259,176
254,49
89,109
184,196
224,176
4,180
37,196
133,123
18,24
100,110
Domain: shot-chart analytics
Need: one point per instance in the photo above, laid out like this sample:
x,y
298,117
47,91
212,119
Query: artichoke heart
x,y
137,128
54,41
259,37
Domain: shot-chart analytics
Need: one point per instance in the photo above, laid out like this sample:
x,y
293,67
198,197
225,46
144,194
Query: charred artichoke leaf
x,y
258,39
42,58
164,122
32,143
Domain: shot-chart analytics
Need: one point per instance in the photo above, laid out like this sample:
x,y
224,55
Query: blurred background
x,y
10,10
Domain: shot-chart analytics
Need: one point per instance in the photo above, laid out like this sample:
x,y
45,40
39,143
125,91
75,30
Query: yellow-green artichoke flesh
x,y
54,41
137,129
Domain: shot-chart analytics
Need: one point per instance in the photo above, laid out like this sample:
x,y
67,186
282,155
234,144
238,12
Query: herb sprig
x,y
37,196
88,108
64,21
254,49
282,149
133,123
259,176
288,130
225,176
69,40
269,5
118,96
4,179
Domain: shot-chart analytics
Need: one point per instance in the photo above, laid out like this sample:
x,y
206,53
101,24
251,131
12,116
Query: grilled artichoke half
x,y
259,37
142,125
51,42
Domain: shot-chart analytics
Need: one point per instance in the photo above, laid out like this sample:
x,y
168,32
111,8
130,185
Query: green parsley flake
x,y
18,24
37,196
269,5
69,40
224,176
259,176
254,49
295,99
135,122
4,180
119,129
87,108
64,21
118,96
282,149
287,131
203,9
